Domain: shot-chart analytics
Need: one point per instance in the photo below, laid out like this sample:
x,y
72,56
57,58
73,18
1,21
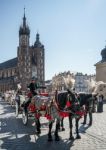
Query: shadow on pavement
x,y
15,136
40,144
6,108
83,128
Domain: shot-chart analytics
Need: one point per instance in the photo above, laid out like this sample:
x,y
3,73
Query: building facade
x,y
58,81
30,62
81,82
101,67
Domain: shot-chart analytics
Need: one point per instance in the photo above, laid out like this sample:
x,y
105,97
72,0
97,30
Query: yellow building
x,y
101,67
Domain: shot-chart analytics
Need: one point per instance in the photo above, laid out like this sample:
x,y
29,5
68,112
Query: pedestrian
x,y
94,103
17,102
100,103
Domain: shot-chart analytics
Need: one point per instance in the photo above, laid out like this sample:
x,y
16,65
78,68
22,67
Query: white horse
x,y
42,106
100,88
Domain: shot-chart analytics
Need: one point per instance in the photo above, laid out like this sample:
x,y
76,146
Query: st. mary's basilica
x,y
30,62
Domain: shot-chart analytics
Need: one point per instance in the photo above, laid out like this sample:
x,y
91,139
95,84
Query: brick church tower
x,y
30,58
30,62
23,53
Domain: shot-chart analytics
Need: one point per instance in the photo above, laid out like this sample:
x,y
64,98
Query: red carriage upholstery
x,y
44,94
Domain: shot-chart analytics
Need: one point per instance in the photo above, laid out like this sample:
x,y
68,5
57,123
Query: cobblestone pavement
x,y
15,136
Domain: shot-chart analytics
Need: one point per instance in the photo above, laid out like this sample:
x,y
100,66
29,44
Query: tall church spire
x,y
24,29
24,19
37,37
37,42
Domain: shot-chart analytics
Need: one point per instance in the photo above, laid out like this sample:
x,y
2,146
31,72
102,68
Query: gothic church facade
x,y
30,62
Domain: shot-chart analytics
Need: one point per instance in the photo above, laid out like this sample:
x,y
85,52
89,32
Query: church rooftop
x,y
9,63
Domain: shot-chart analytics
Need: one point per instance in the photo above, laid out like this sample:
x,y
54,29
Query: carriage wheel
x,y
25,117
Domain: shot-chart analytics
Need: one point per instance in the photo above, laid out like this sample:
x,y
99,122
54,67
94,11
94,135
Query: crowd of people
x,y
33,90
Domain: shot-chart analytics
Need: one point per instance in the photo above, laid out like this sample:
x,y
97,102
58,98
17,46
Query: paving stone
x,y
16,136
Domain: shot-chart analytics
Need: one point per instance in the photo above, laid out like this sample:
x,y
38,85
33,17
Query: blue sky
x,y
72,31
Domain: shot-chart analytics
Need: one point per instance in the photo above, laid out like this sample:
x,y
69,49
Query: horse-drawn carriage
x,y
39,106
55,109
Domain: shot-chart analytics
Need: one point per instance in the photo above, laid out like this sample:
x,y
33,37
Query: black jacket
x,y
33,87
